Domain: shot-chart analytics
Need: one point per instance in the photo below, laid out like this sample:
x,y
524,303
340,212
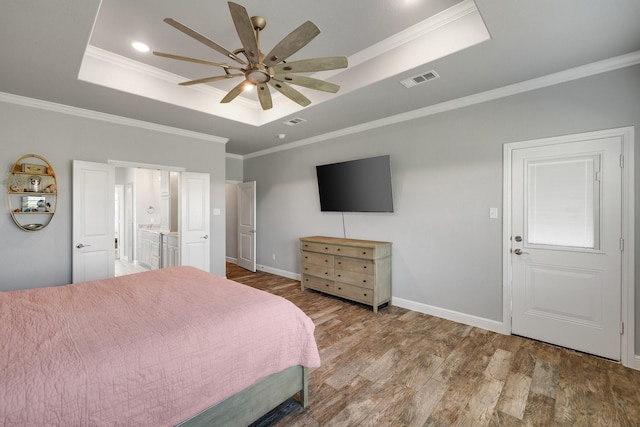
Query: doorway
x,y
568,249
146,219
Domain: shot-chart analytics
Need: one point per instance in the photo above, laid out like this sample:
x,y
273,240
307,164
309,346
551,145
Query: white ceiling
x,y
78,54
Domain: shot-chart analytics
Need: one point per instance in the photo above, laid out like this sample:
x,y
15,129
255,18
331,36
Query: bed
x,y
165,347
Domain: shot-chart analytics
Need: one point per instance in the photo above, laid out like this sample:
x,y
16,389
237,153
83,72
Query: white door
x,y
566,244
93,221
195,219
247,225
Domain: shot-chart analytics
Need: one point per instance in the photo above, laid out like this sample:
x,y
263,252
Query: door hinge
x,y
621,244
622,160
621,328
597,176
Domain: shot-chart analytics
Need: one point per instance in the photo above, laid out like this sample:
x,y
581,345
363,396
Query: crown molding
x,y
576,73
110,118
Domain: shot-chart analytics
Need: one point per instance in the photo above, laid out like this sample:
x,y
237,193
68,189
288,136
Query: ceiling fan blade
x,y
264,96
233,93
293,42
210,79
311,65
245,31
309,82
196,60
290,93
202,39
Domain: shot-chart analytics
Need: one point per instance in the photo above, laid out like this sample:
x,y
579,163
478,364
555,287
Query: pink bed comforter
x,y
150,349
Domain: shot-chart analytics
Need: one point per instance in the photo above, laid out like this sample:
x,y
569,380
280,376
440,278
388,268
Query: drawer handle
x,y
364,267
326,272
339,288
326,260
339,275
338,249
326,284
340,262
365,295
364,253
364,281
326,248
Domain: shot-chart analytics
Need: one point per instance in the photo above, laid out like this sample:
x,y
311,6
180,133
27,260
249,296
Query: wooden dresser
x,y
358,270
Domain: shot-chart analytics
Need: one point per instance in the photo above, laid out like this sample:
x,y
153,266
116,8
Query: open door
x,y
93,221
247,225
194,219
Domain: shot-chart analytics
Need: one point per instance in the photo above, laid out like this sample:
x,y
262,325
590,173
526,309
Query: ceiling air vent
x,y
294,121
419,79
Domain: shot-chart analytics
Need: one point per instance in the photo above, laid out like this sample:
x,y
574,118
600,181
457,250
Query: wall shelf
x,y
32,192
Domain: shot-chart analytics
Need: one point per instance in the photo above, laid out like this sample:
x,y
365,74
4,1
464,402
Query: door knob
x,y
206,236
519,252
81,245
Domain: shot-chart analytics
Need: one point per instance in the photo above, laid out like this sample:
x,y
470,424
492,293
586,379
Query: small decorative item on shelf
x,y
37,169
51,188
34,183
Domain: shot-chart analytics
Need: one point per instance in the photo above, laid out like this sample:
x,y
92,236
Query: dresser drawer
x,y
317,247
317,283
325,272
355,293
358,279
317,259
364,266
353,251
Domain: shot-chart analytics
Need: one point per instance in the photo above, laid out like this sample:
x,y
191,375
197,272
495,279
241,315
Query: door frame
x,y
626,134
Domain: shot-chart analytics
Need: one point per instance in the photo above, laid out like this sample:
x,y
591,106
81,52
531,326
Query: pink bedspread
x,y
147,349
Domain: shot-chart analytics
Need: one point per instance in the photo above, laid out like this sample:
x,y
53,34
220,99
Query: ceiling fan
x,y
261,70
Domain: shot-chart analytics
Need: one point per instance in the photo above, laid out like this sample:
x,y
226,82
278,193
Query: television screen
x,y
356,186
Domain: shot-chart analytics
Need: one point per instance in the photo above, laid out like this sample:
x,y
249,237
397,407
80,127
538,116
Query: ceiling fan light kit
x,y
262,70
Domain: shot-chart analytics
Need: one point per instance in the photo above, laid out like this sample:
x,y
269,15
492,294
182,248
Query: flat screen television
x,y
356,186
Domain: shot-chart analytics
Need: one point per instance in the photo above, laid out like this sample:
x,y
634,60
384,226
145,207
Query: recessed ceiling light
x,y
140,47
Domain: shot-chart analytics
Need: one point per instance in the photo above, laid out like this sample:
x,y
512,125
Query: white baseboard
x,y
635,363
278,272
467,319
232,260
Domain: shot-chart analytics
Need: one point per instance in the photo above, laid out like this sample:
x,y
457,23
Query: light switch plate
x,y
216,211
493,213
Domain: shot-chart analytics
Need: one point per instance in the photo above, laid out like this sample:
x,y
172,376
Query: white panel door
x,y
566,234
247,225
93,221
195,219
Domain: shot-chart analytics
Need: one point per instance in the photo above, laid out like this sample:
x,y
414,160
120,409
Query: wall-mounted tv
x,y
356,186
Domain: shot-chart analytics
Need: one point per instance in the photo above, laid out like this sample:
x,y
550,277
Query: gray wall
x,y
232,221
234,168
43,258
447,173
234,172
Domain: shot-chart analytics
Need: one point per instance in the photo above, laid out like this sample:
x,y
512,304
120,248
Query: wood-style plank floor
x,y
402,368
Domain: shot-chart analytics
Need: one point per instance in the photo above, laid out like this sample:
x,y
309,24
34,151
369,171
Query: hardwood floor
x,y
402,368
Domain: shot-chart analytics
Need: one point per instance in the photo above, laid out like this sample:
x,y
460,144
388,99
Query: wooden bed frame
x,y
250,404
